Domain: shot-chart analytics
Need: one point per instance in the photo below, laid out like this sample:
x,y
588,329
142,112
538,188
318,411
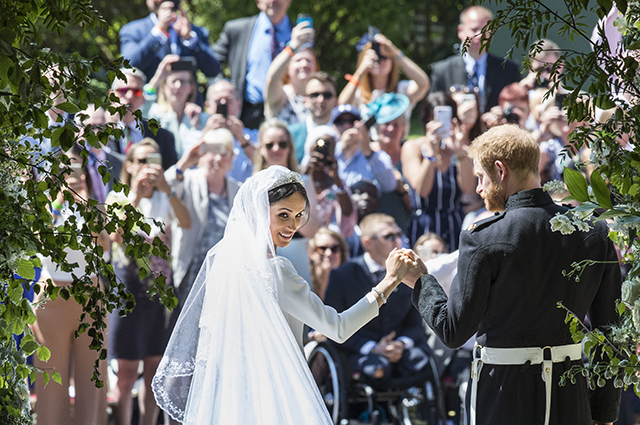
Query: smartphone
x,y
323,147
374,44
186,63
370,121
221,108
443,115
154,158
305,17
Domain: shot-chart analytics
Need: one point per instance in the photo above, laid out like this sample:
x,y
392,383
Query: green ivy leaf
x,y
68,107
29,347
601,190
56,377
44,354
577,185
25,269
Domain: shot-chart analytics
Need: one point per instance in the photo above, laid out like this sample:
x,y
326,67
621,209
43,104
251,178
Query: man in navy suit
x,y
484,72
145,42
248,45
393,343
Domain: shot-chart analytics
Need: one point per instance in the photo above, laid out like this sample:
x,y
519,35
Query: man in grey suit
x,y
483,72
248,45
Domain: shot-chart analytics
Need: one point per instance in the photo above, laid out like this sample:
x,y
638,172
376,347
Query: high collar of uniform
x,y
528,198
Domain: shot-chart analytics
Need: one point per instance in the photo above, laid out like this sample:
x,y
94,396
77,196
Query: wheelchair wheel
x,y
328,371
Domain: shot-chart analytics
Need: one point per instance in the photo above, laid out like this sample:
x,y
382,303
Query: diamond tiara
x,y
290,177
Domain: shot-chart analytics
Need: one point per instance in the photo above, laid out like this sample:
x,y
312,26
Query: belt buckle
x,y
544,351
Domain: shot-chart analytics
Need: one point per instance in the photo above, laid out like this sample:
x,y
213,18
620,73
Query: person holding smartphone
x,y
377,72
174,107
142,334
288,75
167,30
439,172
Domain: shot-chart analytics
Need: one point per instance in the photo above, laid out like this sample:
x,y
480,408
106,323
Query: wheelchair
x,y
414,400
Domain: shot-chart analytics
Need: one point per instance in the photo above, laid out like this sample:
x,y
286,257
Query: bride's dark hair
x,y
283,192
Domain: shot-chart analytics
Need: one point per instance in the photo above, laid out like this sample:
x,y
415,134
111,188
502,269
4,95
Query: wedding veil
x,y
232,358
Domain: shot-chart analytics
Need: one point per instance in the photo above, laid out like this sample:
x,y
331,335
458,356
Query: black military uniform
x,y
508,285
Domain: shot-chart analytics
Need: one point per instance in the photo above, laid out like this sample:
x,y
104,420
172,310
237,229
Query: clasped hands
x,y
405,266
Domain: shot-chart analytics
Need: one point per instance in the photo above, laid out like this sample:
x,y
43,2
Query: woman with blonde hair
x,y
174,107
327,251
275,146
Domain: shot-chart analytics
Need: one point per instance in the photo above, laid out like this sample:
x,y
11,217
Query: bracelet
x,y
56,206
399,56
431,158
149,90
289,51
172,193
354,81
380,294
179,172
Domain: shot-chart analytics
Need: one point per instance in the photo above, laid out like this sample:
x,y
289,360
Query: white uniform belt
x,y
516,356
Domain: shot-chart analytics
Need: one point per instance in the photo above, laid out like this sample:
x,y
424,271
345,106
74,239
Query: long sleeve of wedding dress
x,y
301,306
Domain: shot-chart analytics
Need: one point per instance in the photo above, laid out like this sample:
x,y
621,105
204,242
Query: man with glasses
x,y
320,99
130,93
394,343
356,160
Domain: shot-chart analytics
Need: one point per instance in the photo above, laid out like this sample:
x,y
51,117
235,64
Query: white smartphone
x,y
443,115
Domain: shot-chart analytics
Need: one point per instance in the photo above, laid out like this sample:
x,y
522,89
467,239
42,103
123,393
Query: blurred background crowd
x,y
380,140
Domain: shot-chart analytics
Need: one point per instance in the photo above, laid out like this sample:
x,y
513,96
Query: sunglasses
x,y
340,121
282,144
324,94
124,90
334,249
391,237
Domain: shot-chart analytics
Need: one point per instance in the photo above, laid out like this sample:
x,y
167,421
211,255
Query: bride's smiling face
x,y
285,218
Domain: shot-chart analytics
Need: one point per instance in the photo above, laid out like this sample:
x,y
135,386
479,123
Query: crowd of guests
x,y
370,188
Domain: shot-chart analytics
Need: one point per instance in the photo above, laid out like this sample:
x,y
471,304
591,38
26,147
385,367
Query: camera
x,y
510,116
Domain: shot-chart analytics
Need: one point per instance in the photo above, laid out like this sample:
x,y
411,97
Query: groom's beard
x,y
495,197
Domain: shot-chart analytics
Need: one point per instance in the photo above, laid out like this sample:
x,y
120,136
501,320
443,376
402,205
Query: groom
x,y
509,282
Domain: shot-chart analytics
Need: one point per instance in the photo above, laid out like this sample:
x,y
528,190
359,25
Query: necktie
x,y
378,276
473,77
274,42
128,141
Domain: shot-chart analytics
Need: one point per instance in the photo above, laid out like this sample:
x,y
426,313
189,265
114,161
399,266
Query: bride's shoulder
x,y
282,262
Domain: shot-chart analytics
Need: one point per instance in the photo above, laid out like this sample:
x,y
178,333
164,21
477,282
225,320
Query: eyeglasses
x,y
282,144
334,249
340,121
391,237
325,94
124,90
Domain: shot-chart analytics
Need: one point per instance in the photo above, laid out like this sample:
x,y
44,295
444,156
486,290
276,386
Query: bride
x,y
235,355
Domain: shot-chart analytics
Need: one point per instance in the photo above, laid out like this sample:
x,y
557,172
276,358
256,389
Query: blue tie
x,y
473,77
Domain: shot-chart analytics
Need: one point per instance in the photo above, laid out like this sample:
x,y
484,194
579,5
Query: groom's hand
x,y
415,271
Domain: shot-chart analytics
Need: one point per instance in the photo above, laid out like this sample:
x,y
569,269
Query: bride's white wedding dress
x,y
235,355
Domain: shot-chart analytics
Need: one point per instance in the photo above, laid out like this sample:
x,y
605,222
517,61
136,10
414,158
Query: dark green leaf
x,y
577,184
600,190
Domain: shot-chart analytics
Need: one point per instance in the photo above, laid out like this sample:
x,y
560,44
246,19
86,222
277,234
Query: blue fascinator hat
x,y
388,107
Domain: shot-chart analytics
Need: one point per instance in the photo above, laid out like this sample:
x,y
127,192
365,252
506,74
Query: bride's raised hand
x,y
418,269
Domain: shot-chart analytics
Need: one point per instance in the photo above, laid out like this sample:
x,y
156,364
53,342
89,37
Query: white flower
x,y
581,225
631,291
562,224
635,315
555,186
614,226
